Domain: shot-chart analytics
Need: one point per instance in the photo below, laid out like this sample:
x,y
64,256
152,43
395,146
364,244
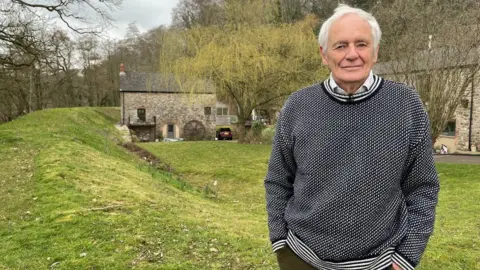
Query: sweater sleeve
x,y
420,188
279,185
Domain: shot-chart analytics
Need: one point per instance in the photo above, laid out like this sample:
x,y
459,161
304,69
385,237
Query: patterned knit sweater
x,y
351,181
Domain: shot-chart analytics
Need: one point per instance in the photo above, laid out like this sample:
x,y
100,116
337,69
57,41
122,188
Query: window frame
x,y
207,110
142,114
450,132
222,111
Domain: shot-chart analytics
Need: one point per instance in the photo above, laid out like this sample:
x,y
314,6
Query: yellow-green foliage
x,y
250,64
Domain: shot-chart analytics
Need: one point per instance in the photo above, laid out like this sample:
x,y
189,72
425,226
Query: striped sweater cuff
x,y
279,245
402,262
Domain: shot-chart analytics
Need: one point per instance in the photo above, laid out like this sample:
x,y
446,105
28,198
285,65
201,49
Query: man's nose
x,y
352,53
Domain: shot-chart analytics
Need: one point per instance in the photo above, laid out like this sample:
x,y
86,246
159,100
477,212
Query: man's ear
x,y
375,54
324,57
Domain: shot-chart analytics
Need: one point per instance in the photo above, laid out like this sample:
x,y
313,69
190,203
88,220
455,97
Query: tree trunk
x,y
241,130
30,93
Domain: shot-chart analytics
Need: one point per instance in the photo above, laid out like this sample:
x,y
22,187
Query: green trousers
x,y
287,260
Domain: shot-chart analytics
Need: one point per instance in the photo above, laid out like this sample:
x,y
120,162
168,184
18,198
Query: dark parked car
x,y
224,134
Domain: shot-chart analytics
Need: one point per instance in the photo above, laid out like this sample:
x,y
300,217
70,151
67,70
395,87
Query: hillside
x,y
71,198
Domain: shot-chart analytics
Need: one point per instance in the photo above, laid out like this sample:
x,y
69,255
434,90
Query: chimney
x,y
122,69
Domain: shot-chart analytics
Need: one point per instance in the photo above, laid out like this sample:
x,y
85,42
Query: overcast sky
x,y
146,14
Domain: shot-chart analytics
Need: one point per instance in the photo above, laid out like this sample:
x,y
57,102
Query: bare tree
x,y
291,10
90,57
18,43
36,58
435,51
94,12
58,71
190,13
20,20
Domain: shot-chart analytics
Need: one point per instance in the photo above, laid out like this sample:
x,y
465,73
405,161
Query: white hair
x,y
343,10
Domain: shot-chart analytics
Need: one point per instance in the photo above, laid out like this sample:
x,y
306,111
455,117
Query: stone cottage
x,y
154,106
463,131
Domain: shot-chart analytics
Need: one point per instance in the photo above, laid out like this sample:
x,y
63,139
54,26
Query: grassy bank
x,y
71,198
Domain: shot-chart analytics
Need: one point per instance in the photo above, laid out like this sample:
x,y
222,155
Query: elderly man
x,y
351,182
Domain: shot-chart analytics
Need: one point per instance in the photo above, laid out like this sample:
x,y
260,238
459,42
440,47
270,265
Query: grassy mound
x,y
73,199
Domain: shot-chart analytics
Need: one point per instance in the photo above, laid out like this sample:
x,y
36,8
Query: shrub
x,y
257,128
260,136
268,134
159,136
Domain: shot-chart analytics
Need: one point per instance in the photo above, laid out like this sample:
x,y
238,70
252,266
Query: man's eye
x,y
340,46
362,44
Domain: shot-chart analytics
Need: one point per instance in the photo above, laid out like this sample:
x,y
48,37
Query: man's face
x,y
350,54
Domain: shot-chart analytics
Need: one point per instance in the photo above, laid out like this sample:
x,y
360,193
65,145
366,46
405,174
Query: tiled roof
x,y
133,81
429,60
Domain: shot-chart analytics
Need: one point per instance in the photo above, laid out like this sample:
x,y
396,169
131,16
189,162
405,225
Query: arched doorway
x,y
171,131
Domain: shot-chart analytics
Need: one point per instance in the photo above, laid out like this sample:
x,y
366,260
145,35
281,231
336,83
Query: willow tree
x,y
251,65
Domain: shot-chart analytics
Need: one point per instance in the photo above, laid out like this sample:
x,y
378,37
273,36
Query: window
x,y
222,111
449,129
141,114
208,110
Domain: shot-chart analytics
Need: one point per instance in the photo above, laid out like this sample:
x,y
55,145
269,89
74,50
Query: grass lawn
x,y
72,199
239,170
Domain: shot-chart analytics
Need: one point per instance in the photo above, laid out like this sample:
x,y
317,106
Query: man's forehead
x,y
350,26
342,36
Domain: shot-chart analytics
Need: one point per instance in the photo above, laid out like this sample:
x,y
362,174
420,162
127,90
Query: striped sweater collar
x,y
375,82
365,87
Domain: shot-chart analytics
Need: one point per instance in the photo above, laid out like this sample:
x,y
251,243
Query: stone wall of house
x,y
171,108
462,115
463,118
